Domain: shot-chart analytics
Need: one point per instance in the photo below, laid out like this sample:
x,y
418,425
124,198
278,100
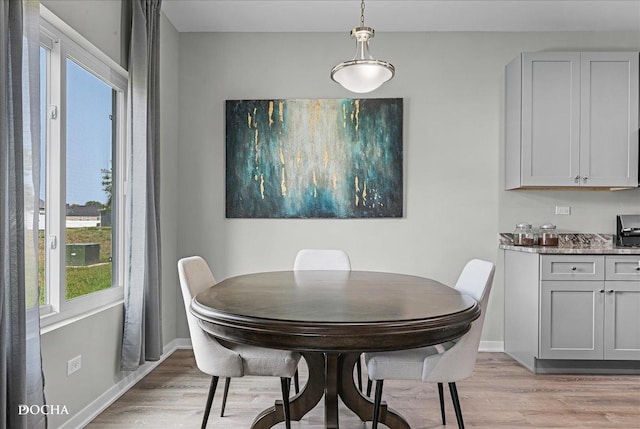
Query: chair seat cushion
x,y
269,362
401,364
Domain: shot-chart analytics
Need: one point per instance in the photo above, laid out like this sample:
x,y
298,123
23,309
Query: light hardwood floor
x,y
501,394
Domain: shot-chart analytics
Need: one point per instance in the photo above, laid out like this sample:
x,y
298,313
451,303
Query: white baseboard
x,y
91,411
491,346
182,343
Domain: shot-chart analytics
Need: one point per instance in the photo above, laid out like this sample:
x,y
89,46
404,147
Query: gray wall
x,y
98,337
452,85
97,20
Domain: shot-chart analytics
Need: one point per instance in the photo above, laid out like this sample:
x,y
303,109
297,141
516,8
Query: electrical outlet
x,y
74,365
563,210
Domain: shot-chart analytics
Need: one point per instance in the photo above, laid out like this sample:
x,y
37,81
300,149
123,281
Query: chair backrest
x,y
322,259
476,280
458,362
195,277
211,357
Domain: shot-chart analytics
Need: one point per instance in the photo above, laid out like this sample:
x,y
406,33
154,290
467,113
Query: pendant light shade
x,y
363,73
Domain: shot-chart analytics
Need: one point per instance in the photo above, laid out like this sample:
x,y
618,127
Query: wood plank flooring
x,y
501,394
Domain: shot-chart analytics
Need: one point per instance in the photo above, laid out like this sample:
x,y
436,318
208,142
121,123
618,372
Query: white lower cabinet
x,y
622,308
584,307
572,320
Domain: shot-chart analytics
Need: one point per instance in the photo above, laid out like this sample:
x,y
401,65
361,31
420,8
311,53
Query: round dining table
x,y
331,317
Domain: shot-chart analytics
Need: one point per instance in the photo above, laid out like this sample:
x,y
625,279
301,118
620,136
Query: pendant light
x,y
363,73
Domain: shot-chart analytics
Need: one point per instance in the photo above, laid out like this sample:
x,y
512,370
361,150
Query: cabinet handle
x,y
576,179
601,291
638,268
610,291
574,268
584,179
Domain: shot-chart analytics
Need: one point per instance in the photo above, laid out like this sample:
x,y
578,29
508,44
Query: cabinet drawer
x,y
572,267
622,267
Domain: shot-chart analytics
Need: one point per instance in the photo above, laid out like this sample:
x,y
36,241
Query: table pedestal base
x,y
331,375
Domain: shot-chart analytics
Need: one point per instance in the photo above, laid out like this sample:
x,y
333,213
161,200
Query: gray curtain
x,y
20,360
142,338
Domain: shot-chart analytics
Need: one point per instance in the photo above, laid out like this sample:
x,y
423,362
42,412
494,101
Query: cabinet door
x,y
622,320
609,119
550,118
571,319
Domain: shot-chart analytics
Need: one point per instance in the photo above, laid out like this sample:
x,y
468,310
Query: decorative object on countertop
x,y
523,235
548,236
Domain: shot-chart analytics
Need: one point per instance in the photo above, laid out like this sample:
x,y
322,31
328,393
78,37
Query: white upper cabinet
x,y
550,119
609,119
572,120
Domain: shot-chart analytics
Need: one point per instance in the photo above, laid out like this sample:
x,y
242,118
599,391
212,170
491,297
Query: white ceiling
x,y
401,15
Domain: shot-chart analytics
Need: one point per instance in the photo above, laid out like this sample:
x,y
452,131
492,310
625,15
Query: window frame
x,y
62,43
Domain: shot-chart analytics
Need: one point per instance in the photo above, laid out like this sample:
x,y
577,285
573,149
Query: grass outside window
x,y
87,279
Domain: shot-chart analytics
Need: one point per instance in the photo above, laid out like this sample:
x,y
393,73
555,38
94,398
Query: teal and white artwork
x,y
314,158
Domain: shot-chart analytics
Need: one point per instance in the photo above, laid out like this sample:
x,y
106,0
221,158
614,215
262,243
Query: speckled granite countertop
x,y
586,244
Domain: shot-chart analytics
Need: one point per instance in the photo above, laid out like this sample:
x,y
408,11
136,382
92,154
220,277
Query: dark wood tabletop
x,y
332,317
335,310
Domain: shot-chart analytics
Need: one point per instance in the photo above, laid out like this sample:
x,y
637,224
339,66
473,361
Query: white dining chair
x,y
443,363
325,259
322,259
229,360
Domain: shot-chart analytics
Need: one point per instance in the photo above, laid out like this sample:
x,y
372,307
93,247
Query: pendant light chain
x,y
362,13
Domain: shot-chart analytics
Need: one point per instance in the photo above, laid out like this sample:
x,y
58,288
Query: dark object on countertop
x,y
628,231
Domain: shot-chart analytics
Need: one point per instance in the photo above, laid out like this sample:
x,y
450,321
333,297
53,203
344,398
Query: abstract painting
x,y
314,158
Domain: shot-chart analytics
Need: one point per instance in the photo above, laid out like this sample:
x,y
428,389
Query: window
x,y
82,223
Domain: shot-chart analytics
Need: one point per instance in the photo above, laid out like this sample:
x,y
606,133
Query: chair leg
x,y
207,408
285,383
369,384
441,395
456,404
376,404
224,396
296,382
359,374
